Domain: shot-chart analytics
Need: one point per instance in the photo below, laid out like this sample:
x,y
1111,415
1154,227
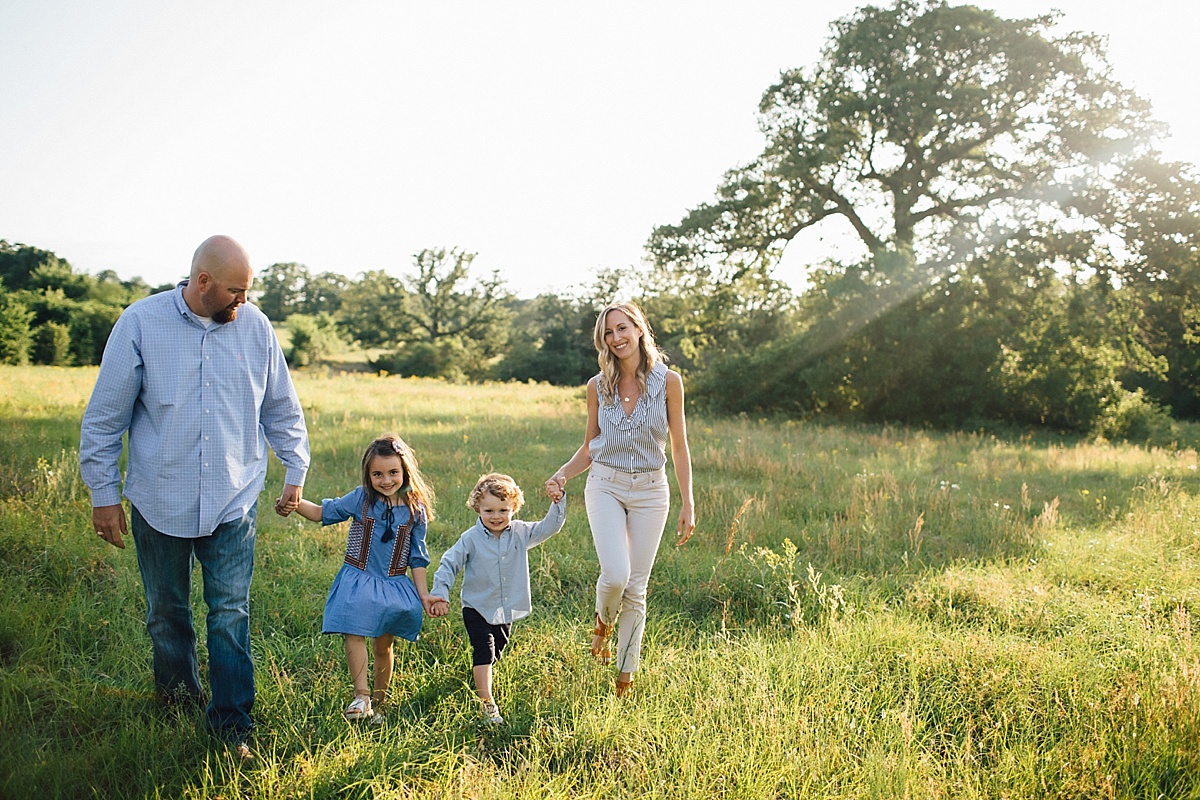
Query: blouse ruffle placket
x,y
656,383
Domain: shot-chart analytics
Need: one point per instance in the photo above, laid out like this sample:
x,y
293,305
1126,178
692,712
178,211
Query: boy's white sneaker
x,y
491,713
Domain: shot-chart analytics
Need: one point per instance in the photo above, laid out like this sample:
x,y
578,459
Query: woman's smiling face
x,y
622,337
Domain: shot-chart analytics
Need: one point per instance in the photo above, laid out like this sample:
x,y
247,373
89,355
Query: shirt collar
x,y
182,307
180,304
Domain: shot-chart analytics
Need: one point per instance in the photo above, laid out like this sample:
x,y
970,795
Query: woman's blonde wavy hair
x,y
610,373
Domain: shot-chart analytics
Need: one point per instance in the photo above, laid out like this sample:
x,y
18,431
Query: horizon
x,y
549,141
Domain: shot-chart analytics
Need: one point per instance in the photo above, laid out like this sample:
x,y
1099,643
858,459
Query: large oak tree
x,y
966,152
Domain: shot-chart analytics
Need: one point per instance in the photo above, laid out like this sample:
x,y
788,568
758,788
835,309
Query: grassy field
x,y
864,612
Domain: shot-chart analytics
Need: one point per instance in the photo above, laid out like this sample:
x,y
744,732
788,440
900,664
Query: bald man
x,y
197,379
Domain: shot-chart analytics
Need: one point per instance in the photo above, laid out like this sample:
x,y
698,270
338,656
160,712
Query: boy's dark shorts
x,y
487,640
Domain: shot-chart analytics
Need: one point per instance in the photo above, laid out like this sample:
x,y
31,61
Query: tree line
x,y
1028,255
51,314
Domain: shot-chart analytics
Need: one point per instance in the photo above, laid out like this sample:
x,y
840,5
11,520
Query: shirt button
x,y
206,411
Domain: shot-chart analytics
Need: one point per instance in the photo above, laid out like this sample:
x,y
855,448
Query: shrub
x,y
15,336
314,338
52,344
91,323
1133,417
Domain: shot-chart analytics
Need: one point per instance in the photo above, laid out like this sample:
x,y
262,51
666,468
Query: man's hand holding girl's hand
x,y
289,500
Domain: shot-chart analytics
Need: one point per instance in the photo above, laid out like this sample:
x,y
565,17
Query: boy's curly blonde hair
x,y
497,485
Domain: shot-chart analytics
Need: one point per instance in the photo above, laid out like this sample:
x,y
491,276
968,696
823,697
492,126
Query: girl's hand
x,y
436,606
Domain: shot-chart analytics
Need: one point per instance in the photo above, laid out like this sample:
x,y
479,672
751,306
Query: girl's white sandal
x,y
360,709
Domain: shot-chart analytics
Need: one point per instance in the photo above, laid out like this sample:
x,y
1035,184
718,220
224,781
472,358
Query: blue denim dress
x,y
369,597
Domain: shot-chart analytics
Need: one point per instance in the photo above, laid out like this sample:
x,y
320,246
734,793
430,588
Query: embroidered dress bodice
x,y
358,543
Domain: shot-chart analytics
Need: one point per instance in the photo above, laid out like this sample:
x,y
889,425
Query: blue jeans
x,y
226,564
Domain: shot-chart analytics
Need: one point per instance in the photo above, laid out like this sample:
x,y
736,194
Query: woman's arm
x,y
681,456
582,459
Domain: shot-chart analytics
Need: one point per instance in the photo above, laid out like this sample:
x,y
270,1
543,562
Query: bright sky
x,y
549,137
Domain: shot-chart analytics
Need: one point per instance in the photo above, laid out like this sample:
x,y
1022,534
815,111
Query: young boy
x,y
493,556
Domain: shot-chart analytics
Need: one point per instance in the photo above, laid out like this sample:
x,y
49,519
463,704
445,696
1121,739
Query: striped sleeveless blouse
x,y
637,442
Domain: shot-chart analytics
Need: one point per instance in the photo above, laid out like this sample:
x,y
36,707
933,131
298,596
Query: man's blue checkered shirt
x,y
200,406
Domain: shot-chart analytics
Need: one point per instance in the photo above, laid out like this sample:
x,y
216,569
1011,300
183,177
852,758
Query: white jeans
x,y
627,513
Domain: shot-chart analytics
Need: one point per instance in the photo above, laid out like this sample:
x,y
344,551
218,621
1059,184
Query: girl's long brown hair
x,y
417,493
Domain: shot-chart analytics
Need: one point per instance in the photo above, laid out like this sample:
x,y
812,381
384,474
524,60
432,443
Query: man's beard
x,y
228,314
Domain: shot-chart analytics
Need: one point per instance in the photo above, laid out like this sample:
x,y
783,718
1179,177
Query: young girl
x,y
493,556
372,597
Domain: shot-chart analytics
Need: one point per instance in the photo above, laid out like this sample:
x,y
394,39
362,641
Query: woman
x,y
634,405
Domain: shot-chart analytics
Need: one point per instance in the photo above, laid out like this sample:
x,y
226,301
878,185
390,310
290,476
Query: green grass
x,y
864,612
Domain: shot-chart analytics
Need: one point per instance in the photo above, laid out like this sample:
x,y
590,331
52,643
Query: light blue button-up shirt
x,y
496,568
200,405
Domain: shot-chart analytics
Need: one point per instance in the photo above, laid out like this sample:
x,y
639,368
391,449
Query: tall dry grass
x,y
864,612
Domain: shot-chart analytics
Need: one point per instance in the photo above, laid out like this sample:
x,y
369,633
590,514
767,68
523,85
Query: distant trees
x,y
279,290
372,311
307,305
51,314
438,320
19,263
284,289
1011,210
551,342
449,324
1026,254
